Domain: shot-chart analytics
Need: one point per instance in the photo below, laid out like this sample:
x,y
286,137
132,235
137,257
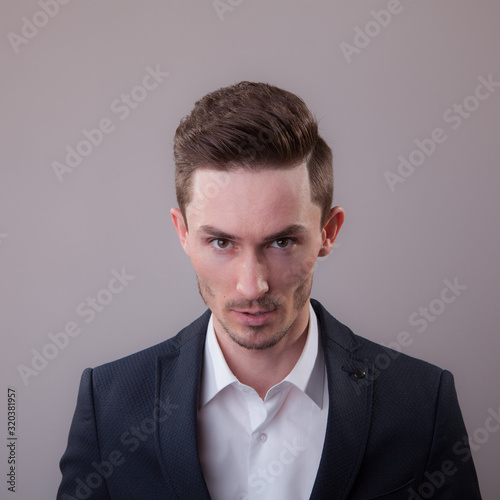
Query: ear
x,y
180,227
331,230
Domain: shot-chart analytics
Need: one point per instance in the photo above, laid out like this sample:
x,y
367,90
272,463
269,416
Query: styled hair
x,y
253,126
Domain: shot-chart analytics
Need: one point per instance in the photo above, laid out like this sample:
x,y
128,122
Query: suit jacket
x,y
394,429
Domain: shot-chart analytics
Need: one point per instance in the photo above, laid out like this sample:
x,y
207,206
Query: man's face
x,y
253,241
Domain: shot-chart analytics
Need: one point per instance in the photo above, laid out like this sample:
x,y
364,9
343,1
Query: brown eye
x,y
220,243
282,242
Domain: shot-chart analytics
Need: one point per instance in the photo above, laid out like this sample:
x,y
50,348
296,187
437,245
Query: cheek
x,y
210,272
297,271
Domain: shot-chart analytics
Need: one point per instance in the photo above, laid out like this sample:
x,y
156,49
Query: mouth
x,y
254,317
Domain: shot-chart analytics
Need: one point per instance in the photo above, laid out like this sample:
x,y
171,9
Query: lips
x,y
253,313
254,317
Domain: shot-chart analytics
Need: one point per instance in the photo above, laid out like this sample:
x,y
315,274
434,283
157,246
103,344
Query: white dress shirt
x,y
262,449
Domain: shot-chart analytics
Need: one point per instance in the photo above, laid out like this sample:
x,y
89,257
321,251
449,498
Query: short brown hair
x,y
252,125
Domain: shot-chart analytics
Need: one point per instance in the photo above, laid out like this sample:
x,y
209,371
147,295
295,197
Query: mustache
x,y
266,303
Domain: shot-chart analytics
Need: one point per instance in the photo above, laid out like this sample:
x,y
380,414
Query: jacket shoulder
x,y
382,359
401,368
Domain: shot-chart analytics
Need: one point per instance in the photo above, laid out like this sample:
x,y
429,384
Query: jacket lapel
x,y
177,385
350,395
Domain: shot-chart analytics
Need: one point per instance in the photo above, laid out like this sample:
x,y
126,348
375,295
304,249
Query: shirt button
x,y
262,437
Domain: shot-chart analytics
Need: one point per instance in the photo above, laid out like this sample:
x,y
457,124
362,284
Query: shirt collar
x,y
307,374
216,374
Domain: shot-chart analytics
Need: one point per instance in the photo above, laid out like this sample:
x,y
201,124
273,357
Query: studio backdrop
x,y
407,94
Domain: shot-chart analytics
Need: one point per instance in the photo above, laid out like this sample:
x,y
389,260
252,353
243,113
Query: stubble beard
x,y
300,297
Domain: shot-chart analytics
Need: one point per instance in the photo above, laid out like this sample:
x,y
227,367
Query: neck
x,y
262,369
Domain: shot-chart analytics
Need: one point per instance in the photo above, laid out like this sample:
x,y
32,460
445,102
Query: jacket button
x,y
358,374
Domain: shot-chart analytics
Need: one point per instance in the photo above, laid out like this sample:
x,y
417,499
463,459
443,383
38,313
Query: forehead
x,y
258,200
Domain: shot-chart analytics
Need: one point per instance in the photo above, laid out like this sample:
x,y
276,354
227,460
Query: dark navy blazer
x,y
394,431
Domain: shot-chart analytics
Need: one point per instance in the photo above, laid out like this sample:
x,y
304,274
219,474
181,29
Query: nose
x,y
252,277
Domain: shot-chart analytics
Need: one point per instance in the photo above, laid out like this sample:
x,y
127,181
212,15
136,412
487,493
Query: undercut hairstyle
x,y
252,126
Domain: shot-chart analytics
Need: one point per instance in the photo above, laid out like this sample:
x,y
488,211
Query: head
x,y
251,126
254,184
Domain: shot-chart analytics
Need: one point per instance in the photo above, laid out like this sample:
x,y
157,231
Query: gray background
x,y
60,241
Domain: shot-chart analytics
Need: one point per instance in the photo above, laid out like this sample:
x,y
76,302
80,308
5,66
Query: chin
x,y
258,344
256,337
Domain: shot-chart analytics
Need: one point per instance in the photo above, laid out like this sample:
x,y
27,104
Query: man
x,y
266,395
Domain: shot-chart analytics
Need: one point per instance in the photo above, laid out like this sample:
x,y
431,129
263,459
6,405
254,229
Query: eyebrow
x,y
287,231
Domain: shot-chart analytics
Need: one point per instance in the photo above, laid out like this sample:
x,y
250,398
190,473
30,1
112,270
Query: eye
x,y
220,243
282,243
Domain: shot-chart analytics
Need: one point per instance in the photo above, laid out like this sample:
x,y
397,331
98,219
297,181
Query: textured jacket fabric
x,y
394,431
